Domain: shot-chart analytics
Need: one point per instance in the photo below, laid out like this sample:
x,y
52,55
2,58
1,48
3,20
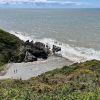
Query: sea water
x,y
76,31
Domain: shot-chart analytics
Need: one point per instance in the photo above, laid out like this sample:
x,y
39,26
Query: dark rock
x,y
39,45
37,49
31,51
27,42
38,53
32,43
55,49
48,49
29,57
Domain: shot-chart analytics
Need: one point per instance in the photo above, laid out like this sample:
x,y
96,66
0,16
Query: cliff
x,y
9,46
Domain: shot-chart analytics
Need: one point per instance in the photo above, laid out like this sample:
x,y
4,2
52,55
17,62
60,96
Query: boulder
x,y
29,57
37,49
38,53
48,49
39,45
55,49
27,42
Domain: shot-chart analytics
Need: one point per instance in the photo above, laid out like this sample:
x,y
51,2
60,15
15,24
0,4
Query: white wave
x,y
72,40
21,36
76,54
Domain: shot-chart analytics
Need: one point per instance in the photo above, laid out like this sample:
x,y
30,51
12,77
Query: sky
x,y
50,3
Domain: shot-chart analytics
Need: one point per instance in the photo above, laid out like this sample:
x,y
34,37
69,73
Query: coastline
x,y
53,62
29,52
32,69
71,52
47,65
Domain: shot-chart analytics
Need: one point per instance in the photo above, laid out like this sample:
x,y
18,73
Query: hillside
x,y
9,45
75,82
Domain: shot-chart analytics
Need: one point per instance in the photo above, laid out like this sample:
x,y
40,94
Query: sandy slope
x,y
28,70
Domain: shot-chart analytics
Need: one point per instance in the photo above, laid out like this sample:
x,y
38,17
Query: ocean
x,y
76,31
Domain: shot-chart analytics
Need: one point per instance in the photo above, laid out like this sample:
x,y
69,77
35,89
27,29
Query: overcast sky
x,y
50,3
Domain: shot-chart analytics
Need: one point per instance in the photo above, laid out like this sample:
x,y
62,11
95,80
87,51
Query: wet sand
x,y
25,71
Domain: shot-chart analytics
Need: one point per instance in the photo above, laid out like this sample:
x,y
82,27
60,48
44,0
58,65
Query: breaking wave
x,y
76,54
21,36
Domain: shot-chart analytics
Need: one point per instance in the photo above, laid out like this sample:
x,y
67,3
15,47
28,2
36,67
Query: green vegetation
x,y
74,82
9,45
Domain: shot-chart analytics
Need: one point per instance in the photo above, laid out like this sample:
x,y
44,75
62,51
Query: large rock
x,y
37,49
38,53
31,51
39,45
29,57
55,49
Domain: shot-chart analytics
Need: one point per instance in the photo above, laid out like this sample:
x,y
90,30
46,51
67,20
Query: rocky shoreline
x,y
15,50
31,51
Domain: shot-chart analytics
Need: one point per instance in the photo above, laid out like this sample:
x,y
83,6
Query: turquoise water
x,y
77,29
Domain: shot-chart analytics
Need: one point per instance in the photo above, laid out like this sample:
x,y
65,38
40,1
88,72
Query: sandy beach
x,y
25,71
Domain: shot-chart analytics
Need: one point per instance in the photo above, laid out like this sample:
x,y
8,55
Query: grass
x,y
74,82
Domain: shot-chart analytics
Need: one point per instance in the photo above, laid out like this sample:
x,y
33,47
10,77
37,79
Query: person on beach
x,y
14,71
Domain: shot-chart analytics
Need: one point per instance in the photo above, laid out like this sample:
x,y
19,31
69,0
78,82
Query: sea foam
x,y
76,54
21,36
73,53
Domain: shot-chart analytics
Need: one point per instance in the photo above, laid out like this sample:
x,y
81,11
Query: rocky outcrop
x,y
29,57
55,49
31,51
37,49
12,49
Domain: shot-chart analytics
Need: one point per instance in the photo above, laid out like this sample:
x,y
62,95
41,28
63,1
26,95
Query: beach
x,y
25,71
